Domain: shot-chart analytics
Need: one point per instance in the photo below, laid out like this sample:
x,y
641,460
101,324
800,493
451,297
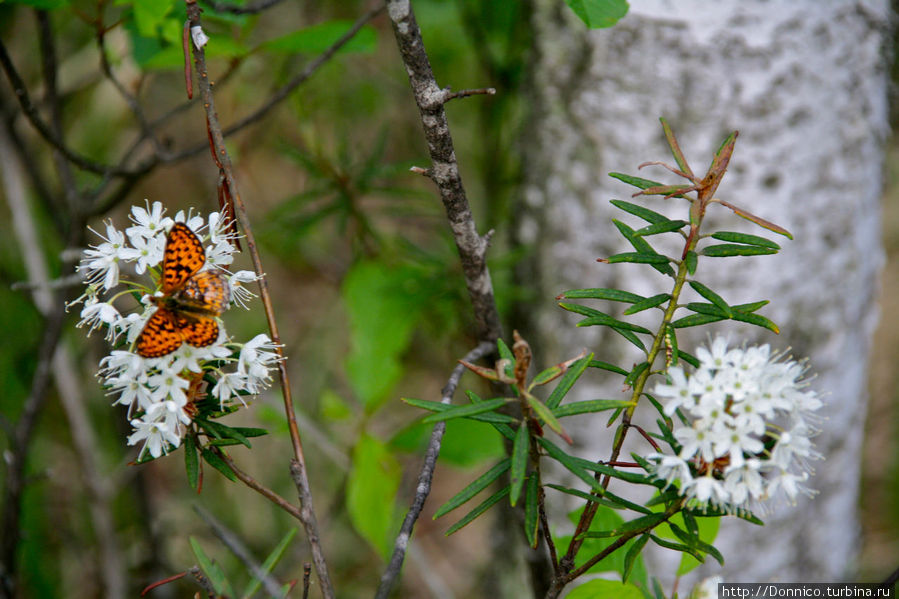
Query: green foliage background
x,y
368,290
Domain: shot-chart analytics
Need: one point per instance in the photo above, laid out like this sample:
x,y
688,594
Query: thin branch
x,y
259,487
237,547
28,107
298,465
251,8
483,91
307,571
307,517
430,99
423,489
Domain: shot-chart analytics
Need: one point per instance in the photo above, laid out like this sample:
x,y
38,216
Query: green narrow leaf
x,y
635,181
191,461
642,246
599,14
615,295
436,406
677,547
219,464
519,462
756,319
650,216
465,411
531,510
220,431
215,575
751,307
745,238
569,462
675,148
506,354
590,406
608,321
635,373
250,432
480,509
670,226
712,297
650,302
725,250
473,488
694,320
546,376
270,562
632,554
545,414
637,258
691,260
567,381
606,366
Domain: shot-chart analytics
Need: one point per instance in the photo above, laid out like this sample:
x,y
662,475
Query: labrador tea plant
x,y
734,423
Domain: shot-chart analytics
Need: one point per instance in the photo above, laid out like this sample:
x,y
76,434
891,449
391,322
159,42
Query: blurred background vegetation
x,y
368,290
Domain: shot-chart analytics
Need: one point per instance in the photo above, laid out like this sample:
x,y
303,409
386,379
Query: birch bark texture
x,y
805,83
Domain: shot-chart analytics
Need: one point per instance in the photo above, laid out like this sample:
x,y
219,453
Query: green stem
x,y
658,343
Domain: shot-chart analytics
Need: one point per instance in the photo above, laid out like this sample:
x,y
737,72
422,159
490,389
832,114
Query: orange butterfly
x,y
191,299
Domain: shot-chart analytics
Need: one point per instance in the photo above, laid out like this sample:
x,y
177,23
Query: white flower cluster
x,y
158,391
750,418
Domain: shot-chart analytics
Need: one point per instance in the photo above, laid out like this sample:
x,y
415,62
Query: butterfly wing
x,y
161,335
184,255
199,331
206,292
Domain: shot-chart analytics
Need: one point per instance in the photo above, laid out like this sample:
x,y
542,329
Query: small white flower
x,y
121,363
227,387
156,436
239,293
706,490
670,468
220,254
677,392
167,384
102,261
96,314
193,221
148,222
131,389
149,252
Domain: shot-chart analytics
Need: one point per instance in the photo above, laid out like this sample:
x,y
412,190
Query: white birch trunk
x,y
805,83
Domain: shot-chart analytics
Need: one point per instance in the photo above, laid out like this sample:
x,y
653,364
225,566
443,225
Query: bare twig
x,y
259,487
28,107
423,489
307,571
484,91
237,547
430,99
298,465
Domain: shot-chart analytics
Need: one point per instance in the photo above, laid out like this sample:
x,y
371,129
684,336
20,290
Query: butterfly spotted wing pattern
x,y
206,292
161,335
184,256
190,298
199,331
